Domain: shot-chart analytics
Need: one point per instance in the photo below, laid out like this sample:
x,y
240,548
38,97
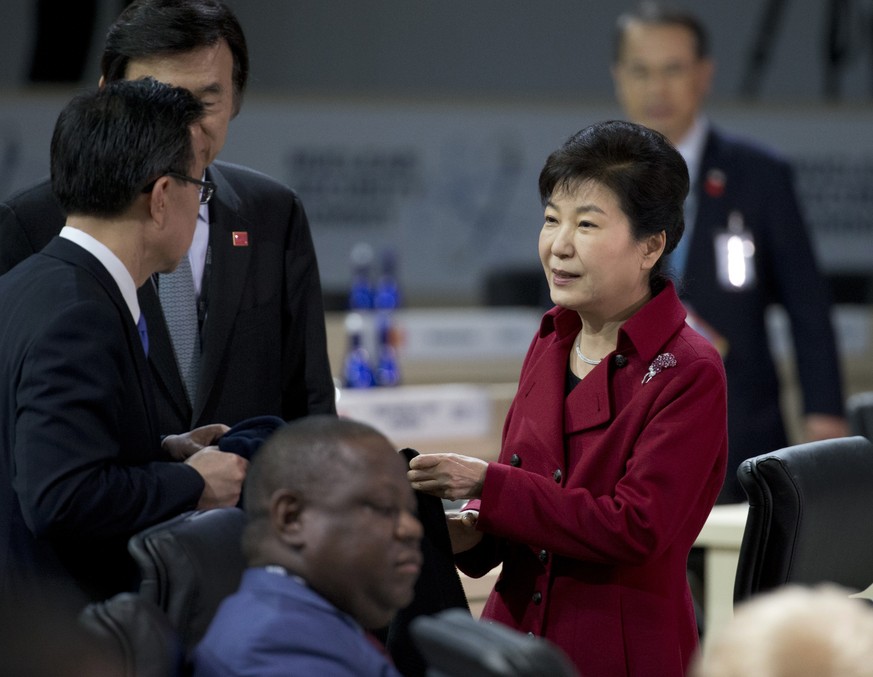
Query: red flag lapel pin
x,y
240,238
715,183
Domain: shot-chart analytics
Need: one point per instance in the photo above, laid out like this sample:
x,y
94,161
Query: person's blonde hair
x,y
792,632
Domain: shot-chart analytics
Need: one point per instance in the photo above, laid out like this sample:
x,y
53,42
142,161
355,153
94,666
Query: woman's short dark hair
x,y
639,165
148,28
109,143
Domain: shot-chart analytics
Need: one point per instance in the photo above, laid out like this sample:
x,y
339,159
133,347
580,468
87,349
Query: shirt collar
x,y
691,147
114,266
203,214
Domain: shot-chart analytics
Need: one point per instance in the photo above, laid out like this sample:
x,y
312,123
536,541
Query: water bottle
x,y
387,295
357,372
387,368
361,293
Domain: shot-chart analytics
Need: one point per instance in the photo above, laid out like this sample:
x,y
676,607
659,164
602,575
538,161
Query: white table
x,y
720,539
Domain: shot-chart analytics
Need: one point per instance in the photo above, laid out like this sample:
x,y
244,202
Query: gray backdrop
x,y
421,126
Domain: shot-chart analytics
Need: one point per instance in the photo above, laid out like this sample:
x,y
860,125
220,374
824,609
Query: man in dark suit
x,y
745,245
256,332
82,463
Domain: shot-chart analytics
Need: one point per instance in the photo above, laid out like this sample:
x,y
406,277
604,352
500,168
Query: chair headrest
x,y
189,564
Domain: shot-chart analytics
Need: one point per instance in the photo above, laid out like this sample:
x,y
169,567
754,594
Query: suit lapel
x,y
77,256
228,267
543,387
710,210
587,406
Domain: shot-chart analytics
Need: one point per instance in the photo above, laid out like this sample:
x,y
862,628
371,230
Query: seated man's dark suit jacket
x,y
736,175
81,466
263,335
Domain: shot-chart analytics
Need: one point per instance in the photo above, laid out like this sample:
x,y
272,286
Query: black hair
x,y
306,456
639,165
110,142
149,28
655,13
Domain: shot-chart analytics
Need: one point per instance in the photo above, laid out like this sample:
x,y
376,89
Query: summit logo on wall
x,y
349,187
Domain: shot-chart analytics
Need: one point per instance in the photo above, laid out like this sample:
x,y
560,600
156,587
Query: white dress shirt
x,y
111,262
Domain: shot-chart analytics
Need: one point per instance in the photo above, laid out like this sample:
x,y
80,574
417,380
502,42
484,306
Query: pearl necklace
x,y
586,360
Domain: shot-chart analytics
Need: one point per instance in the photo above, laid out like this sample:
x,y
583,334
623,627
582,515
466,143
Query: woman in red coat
x,y
615,446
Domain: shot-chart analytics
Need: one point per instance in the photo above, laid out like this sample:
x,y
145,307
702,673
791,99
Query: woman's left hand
x,y
462,530
450,476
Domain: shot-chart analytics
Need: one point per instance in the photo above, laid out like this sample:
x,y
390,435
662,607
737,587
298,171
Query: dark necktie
x,y
143,333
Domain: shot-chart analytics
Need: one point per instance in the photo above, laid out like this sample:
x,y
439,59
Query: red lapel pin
x,y
240,238
715,183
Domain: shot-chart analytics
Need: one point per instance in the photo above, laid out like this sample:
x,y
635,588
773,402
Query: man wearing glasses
x,y
238,330
82,462
206,189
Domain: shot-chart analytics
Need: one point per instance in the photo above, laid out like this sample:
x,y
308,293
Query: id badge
x,y
735,255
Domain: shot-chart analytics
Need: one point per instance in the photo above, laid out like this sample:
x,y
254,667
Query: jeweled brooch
x,y
659,364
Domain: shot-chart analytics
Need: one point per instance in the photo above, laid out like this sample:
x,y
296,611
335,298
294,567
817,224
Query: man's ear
x,y
159,200
101,83
286,511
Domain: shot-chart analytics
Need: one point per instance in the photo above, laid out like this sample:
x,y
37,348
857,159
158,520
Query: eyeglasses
x,y
207,188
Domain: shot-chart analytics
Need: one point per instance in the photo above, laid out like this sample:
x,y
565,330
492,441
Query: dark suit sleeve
x,y
28,221
305,334
804,293
84,467
14,245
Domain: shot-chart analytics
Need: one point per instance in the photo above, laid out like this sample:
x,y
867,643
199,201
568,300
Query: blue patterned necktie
x,y
143,333
179,303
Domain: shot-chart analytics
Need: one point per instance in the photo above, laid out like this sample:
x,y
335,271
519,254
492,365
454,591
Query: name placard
x,y
421,412
467,334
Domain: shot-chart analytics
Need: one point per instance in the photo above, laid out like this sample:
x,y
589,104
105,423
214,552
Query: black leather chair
x,y
454,644
859,408
189,564
809,517
137,634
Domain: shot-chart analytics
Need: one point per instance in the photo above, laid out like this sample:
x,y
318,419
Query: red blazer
x,y
598,496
